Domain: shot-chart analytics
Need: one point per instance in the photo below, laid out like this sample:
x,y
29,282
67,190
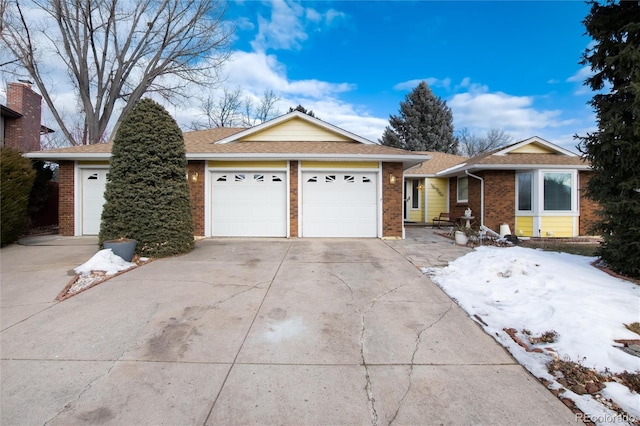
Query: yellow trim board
x,y
252,164
340,164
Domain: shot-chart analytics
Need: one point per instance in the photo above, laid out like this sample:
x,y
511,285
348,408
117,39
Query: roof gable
x,y
295,126
533,145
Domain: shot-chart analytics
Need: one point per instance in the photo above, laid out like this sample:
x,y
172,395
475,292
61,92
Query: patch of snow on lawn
x,y
106,261
542,291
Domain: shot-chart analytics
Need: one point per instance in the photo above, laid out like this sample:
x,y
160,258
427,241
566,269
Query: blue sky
x,y
512,65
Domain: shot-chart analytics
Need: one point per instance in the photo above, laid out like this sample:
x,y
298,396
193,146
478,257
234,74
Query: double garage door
x,y
254,203
333,204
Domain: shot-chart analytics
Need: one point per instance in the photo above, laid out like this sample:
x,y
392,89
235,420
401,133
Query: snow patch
x,y
105,261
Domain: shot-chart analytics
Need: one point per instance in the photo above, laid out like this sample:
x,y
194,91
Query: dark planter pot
x,y
126,249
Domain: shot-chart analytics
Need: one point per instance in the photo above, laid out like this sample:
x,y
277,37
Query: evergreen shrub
x,y
16,180
147,194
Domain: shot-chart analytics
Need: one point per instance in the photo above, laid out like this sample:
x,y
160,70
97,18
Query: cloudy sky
x,y
511,65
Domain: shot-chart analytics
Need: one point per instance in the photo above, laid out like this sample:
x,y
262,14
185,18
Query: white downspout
x,y
481,195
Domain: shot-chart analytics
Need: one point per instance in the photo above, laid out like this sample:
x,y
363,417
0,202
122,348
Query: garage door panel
x,y
249,204
93,185
339,204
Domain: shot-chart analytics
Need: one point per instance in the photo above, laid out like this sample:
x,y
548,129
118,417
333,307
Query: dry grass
x,y
635,327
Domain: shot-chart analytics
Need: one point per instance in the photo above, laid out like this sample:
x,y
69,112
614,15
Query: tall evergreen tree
x,y
614,149
147,194
424,123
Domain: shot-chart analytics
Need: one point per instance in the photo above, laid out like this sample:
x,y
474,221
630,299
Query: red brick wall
x,y
499,201
499,198
456,209
293,198
24,132
65,206
392,203
196,191
588,207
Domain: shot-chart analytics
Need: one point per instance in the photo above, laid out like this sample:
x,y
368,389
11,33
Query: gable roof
x,y
293,115
439,161
514,157
226,143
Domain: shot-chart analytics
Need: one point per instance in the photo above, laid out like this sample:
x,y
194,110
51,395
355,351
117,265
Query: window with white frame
x,y
546,191
463,189
525,191
557,191
415,194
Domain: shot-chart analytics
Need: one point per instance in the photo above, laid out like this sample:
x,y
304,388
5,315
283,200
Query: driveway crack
x,y
413,356
369,385
85,389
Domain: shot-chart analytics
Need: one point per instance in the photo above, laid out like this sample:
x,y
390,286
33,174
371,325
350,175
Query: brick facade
x,y
23,132
392,202
588,208
293,198
196,173
499,202
500,198
66,217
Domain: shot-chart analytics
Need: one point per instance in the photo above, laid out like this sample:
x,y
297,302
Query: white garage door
x,y
339,204
93,185
249,204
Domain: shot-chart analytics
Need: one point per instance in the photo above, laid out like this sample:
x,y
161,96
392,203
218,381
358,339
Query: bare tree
x,y
117,51
472,145
224,112
265,110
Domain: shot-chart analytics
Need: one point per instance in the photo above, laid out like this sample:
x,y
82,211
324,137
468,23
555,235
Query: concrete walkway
x,y
255,331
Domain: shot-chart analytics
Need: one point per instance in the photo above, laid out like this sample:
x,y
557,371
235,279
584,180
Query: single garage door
x,y
249,204
339,204
93,185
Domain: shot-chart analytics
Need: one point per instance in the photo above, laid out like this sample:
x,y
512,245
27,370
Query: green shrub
x,y
16,179
147,194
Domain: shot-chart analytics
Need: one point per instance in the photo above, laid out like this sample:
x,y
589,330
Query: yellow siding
x,y
340,164
436,189
559,226
524,226
93,163
415,216
296,130
532,148
251,164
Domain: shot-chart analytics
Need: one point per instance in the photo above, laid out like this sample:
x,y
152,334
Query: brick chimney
x,y
23,132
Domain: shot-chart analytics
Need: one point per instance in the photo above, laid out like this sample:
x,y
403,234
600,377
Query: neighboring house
x,y
426,196
20,119
534,186
293,176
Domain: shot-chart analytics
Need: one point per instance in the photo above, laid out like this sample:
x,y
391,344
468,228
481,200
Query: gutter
x,y
481,195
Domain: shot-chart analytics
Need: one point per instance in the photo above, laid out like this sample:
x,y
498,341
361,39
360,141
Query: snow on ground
x,y
539,291
106,261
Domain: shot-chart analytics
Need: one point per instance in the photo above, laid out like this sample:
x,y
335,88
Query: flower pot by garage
x,y
461,238
125,248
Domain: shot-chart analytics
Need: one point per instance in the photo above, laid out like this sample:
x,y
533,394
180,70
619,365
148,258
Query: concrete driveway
x,y
261,331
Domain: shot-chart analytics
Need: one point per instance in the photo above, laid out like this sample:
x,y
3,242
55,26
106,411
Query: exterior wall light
x,y
194,176
392,179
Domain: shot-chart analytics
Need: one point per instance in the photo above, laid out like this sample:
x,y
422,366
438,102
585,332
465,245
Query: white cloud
x,y
259,71
431,82
289,24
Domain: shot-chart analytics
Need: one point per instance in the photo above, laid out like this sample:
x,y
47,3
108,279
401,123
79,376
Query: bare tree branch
x,y
472,145
116,51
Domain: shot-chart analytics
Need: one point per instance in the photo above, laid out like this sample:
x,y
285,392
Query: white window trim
x,y
574,194
413,182
533,194
537,194
458,199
